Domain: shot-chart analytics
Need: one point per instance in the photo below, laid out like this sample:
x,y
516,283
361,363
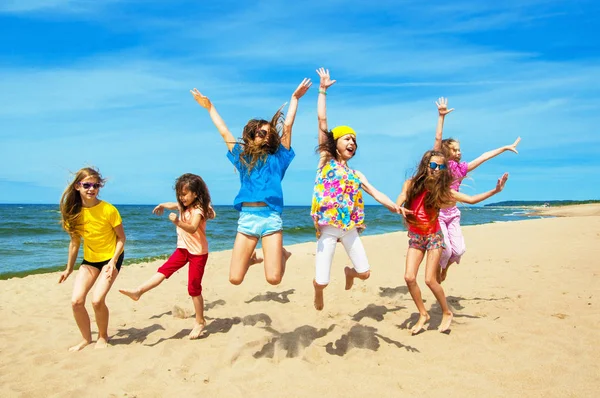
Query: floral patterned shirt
x,y
337,198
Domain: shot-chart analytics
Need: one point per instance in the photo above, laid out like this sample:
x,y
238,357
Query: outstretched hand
x,y
302,88
326,81
513,147
404,211
442,105
158,210
201,99
501,182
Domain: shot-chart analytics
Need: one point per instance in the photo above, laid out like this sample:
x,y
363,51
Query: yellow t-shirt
x,y
99,237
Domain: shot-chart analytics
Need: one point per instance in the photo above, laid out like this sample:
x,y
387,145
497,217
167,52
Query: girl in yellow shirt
x,y
99,224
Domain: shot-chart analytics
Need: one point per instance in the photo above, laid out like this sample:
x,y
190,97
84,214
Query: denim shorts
x,y
259,221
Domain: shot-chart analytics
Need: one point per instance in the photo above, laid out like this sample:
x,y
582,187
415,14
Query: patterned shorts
x,y
426,242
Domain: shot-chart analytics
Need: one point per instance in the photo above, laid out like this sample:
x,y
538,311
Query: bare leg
x,y
431,270
351,274
413,260
243,247
444,273
100,309
150,284
84,280
274,257
319,304
200,321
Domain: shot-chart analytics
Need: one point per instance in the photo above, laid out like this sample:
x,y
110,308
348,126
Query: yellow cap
x,y
341,131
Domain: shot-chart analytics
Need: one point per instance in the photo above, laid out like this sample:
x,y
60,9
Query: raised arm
x,y
216,118
377,195
442,105
324,83
286,137
493,153
461,197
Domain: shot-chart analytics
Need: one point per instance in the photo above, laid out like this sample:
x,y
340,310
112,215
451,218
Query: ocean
x,y
32,241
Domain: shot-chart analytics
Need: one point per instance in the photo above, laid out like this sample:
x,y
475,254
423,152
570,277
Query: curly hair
x,y
437,184
254,154
71,203
194,183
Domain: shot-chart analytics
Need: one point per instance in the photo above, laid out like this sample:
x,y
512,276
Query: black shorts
x,y
101,264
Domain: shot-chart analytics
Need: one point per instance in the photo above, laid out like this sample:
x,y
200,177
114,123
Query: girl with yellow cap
x,y
337,205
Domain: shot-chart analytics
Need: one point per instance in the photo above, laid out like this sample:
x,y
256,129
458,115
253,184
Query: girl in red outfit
x,y
194,205
422,197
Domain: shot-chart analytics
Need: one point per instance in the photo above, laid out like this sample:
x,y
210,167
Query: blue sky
x,y
106,83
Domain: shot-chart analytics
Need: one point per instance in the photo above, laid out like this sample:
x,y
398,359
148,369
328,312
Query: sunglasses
x,y
437,166
88,185
259,133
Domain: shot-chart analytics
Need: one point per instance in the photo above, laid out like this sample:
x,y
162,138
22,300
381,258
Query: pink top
x,y
195,243
458,172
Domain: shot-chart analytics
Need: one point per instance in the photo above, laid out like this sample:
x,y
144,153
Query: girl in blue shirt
x,y
261,157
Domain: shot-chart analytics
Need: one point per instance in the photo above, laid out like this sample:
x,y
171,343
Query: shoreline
x,y
520,294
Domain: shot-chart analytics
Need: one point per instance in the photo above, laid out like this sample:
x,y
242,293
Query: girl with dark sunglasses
x,y
421,199
449,217
98,223
261,157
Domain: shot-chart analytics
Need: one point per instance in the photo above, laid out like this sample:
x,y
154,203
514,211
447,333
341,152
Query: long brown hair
x,y
195,183
437,184
70,202
254,154
446,147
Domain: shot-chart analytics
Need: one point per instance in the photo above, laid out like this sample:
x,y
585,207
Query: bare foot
x,y
101,343
318,296
349,277
446,321
254,259
420,325
133,294
80,346
197,330
286,256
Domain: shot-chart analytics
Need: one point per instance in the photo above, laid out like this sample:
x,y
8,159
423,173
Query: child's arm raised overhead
x,y
472,165
461,197
190,226
377,195
286,137
324,83
216,118
442,105
73,250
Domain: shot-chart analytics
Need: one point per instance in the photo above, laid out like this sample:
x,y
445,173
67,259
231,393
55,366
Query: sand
x,y
525,299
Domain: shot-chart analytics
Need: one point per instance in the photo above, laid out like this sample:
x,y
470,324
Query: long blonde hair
x,y
70,202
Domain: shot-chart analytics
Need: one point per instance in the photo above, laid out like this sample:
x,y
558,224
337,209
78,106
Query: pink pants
x,y
449,220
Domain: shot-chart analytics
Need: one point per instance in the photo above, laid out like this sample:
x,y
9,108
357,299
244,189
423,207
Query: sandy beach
x,y
525,299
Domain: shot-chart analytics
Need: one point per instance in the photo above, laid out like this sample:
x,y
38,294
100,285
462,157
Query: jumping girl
x,y
337,206
450,217
424,195
261,157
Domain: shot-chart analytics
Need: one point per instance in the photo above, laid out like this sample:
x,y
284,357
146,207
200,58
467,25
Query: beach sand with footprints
x,y
526,309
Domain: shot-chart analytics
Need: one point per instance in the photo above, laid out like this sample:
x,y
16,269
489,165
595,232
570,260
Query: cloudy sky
x,y
106,83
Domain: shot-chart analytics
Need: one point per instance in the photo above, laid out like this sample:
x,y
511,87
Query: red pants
x,y
181,257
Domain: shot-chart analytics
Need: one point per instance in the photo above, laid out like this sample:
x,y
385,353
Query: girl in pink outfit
x,y
194,206
449,217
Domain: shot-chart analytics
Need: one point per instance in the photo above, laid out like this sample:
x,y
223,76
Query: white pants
x,y
326,249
